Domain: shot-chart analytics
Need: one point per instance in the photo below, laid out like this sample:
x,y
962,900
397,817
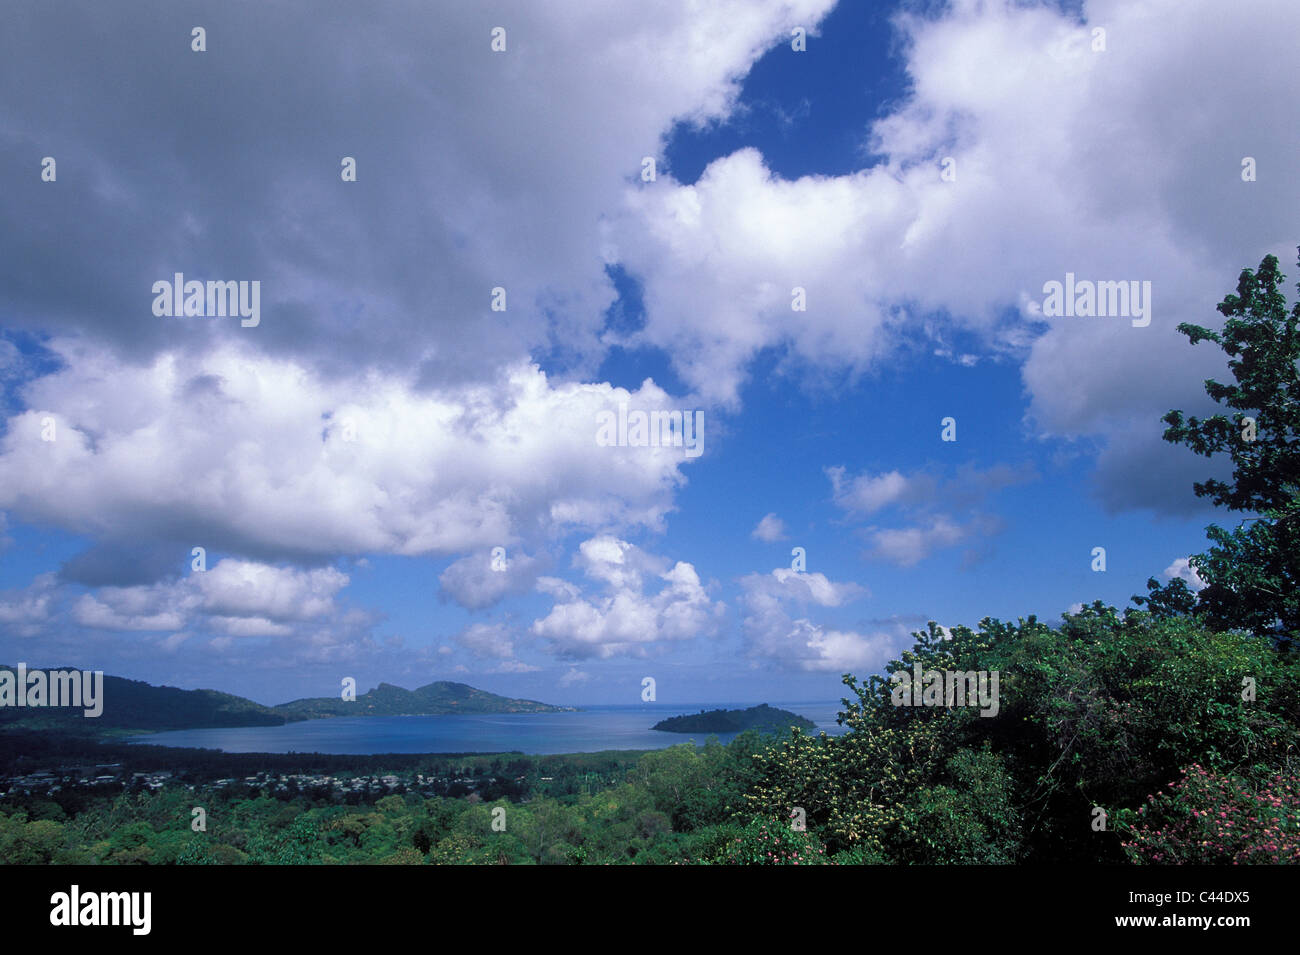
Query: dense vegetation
x,y
764,718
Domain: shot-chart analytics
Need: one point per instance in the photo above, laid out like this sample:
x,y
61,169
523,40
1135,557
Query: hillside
x,y
435,699
764,718
134,704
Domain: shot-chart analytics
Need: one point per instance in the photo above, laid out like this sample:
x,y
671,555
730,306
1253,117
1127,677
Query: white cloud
x,y
734,246
625,621
89,611
841,651
771,529
479,581
1067,160
908,546
479,170
866,493
921,496
267,457
562,590
1182,568
246,588
615,562
235,598
773,634
249,626
814,588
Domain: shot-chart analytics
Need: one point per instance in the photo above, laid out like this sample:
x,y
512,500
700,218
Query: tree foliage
x,y
1253,571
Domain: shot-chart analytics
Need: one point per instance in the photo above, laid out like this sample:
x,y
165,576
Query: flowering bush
x,y
766,842
1208,818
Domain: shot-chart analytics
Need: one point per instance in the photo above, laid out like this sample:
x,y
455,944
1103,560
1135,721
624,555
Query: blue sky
x,y
350,463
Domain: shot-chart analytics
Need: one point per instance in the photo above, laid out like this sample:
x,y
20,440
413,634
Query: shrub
x,y
768,842
1207,818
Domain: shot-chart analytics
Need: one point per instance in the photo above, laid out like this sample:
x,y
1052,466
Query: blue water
x,y
590,730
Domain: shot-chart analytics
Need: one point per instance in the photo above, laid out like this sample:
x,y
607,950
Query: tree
x,y
1252,574
297,845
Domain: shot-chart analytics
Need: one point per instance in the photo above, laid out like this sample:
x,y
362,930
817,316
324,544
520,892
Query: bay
x,y
591,729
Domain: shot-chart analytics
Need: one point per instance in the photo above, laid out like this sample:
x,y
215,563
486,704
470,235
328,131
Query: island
x,y
435,699
764,718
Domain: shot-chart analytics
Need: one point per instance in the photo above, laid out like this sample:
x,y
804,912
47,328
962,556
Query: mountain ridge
x,y
137,705
439,698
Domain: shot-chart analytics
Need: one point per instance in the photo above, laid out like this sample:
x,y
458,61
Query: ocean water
x,y
590,730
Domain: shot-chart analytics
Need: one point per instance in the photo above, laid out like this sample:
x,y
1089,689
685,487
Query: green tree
x,y
29,843
1252,574
297,845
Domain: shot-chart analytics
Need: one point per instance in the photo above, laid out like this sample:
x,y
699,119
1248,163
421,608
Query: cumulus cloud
x,y
102,614
484,579
894,251
805,588
270,460
234,598
1183,569
475,170
245,588
773,634
625,620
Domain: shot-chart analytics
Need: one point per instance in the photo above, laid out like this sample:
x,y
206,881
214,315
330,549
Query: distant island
x,y
435,699
139,706
764,718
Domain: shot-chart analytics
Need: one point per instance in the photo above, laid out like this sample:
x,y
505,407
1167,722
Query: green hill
x,y
136,705
133,704
764,718
435,699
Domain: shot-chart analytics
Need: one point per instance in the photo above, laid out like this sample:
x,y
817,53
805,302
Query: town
x,y
107,778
